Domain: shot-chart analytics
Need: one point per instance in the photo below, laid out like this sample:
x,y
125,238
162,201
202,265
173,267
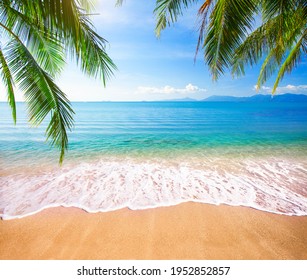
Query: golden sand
x,y
185,231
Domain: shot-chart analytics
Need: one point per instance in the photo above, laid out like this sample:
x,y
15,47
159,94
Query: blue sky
x,y
154,69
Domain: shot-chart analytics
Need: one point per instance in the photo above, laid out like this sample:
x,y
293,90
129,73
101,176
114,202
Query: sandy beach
x,y
185,231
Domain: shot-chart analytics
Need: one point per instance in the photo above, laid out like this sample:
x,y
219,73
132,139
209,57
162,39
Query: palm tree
x,y
36,37
230,40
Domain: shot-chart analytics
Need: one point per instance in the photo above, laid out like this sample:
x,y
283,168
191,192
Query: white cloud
x,y
292,89
284,89
188,89
263,88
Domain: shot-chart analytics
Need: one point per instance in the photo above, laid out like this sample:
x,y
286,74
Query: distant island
x,y
287,97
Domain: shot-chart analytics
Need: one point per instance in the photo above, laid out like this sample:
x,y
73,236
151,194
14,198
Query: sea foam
x,y
269,184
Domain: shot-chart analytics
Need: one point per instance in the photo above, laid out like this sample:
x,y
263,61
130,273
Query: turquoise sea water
x,y
163,127
209,146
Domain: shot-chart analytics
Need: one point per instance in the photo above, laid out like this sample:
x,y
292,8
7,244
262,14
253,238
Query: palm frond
x,y
119,2
41,94
230,22
80,39
8,82
268,67
271,9
39,35
269,42
229,39
47,50
92,56
284,14
202,15
87,5
292,60
304,43
167,11
250,51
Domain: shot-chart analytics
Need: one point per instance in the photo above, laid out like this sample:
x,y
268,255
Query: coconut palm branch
x,y
230,22
292,59
36,37
280,40
230,41
167,11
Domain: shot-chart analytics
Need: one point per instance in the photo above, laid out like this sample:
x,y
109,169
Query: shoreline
x,y
185,231
51,208
103,185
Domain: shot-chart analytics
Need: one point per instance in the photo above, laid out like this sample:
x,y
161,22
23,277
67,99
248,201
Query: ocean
x,y
151,154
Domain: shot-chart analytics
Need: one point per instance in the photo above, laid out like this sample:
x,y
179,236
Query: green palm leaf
x,y
250,51
8,82
231,41
94,60
41,94
202,14
292,59
273,40
38,35
167,11
47,50
230,22
268,67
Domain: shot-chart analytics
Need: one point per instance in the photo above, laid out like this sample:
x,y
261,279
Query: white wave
x,y
271,184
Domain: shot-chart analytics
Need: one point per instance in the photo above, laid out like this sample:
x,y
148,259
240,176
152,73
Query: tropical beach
x,y
164,186
162,163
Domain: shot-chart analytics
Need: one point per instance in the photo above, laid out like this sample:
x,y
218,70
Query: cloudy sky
x,y
154,69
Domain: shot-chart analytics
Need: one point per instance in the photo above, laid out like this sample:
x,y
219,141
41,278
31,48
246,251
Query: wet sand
x,y
185,231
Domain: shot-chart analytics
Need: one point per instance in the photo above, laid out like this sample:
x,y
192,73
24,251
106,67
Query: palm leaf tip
x,y
230,38
119,2
168,11
40,35
9,83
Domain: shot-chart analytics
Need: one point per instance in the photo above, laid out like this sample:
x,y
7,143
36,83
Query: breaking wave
x,y
269,184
